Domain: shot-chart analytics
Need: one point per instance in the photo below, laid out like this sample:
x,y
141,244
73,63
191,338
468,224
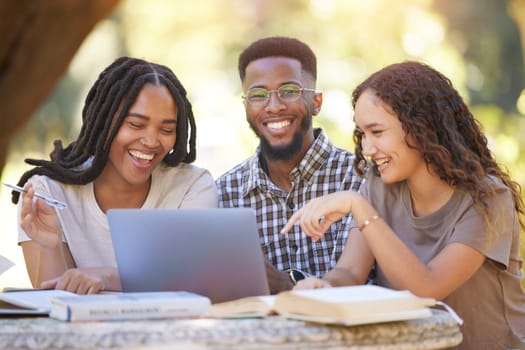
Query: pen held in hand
x,y
48,200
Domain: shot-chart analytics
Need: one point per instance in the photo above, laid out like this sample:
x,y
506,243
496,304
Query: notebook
x,y
212,252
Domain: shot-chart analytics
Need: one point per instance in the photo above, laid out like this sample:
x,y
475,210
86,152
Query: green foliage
x,y
490,43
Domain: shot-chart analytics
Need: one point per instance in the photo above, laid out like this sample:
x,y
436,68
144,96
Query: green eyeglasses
x,y
286,93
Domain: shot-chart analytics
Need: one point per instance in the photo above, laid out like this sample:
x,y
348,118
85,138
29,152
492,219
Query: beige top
x,y
492,301
84,224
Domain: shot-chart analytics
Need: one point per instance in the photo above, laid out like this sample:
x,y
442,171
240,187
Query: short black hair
x,y
279,46
116,87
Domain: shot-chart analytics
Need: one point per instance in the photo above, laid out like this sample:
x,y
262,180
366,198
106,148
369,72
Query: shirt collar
x,y
316,156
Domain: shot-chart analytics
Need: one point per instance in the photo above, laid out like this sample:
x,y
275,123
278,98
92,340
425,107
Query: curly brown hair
x,y
450,139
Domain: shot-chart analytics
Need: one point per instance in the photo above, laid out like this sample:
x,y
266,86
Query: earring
x,y
171,151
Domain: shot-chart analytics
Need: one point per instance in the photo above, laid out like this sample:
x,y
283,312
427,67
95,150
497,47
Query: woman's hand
x,y
84,280
318,214
312,283
39,221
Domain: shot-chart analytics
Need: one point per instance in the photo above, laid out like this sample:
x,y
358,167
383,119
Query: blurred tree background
x,y
476,43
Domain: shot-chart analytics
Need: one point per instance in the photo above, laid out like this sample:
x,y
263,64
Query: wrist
x,y
368,221
352,201
364,213
296,275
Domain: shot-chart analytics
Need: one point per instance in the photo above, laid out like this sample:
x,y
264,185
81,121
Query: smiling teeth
x,y
278,125
381,162
141,155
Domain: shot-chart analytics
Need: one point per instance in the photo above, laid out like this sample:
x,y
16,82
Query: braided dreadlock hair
x,y
114,92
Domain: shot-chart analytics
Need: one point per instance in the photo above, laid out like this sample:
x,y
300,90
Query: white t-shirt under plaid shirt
x,y
324,169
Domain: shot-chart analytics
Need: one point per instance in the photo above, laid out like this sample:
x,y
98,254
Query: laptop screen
x,y
212,252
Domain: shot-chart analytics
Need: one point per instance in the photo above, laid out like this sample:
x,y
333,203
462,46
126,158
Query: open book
x,y
29,302
339,305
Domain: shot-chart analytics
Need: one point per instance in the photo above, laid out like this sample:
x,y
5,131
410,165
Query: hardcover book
x,y
128,306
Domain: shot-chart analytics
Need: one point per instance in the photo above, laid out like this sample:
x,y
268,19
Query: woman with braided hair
x,y
134,151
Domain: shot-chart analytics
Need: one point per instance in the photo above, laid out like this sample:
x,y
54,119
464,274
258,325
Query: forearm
x,y
339,276
44,263
278,281
403,269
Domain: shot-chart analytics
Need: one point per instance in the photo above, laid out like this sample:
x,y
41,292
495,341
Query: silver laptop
x,y
213,252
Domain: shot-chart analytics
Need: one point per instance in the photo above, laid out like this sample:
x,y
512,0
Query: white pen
x,y
49,201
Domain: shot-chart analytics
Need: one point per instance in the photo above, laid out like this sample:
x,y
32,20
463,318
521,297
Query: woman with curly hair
x,y
134,151
437,214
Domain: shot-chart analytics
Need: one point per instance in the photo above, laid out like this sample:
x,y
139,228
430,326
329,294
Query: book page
x,y
357,294
372,318
33,299
259,306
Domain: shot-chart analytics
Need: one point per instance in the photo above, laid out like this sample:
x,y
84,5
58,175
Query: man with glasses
x,y
292,164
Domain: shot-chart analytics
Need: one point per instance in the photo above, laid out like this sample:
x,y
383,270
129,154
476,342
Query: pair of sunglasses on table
x,y
287,93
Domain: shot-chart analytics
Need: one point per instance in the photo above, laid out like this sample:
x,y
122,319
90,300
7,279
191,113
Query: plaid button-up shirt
x,y
323,170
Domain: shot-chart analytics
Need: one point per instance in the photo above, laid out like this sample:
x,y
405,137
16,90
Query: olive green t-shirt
x,y
492,302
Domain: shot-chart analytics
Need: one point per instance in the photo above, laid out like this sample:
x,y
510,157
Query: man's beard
x,y
284,152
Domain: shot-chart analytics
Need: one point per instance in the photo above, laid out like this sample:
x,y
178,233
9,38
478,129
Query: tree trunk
x,y
39,39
